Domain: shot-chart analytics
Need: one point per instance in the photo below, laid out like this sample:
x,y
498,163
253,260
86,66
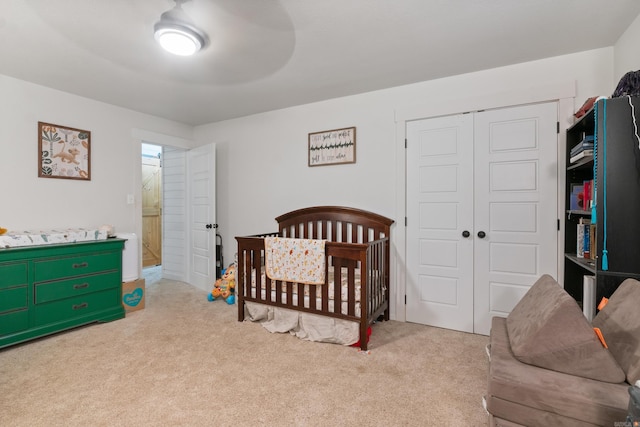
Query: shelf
x,y
584,123
582,163
586,263
623,197
578,212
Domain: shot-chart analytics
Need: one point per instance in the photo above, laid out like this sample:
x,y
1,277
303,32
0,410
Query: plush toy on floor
x,y
225,287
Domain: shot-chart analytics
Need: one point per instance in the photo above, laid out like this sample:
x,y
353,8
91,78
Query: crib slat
x,y
351,278
325,290
337,285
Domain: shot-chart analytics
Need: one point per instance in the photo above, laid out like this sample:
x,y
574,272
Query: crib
x,y
356,260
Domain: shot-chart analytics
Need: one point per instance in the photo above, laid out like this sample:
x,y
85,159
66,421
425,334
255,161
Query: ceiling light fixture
x,y
177,33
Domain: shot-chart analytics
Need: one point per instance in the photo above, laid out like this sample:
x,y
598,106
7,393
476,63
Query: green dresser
x,y
49,288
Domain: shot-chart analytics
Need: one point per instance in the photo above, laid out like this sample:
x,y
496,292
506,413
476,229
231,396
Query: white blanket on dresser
x,y
28,238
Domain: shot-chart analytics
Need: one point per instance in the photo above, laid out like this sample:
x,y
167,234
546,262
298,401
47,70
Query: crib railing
x,y
371,259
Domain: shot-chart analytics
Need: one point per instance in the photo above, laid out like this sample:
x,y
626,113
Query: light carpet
x,y
184,361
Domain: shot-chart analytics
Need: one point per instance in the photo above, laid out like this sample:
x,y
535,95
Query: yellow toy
x,y
2,231
225,286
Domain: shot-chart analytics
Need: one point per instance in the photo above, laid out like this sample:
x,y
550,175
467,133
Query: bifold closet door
x,y
516,152
440,222
481,213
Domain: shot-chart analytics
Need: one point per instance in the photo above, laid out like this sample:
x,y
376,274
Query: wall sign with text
x,y
332,147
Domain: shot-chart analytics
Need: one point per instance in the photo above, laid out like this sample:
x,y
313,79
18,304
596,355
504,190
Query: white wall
x,y
30,202
262,167
262,159
627,52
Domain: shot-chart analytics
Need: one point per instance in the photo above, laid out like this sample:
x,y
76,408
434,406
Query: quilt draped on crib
x,y
295,260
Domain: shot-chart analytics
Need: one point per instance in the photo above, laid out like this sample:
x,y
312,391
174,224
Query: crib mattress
x,y
48,237
344,307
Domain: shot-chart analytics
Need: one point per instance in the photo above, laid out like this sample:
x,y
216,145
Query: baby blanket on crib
x,y
295,260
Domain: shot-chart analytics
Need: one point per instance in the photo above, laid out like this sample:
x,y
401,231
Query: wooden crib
x,y
356,256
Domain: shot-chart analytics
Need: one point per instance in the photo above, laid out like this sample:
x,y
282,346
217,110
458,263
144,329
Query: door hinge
x,y
405,143
405,221
405,300
558,224
557,127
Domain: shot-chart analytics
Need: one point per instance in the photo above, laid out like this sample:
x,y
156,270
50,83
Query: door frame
x,y
140,136
562,92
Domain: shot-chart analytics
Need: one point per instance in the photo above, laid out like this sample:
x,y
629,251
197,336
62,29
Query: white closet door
x,y
439,211
515,206
492,174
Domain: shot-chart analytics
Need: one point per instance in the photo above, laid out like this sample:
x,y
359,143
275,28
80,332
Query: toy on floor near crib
x,y
225,287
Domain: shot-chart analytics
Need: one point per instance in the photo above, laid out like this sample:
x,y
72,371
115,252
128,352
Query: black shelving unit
x,y
617,181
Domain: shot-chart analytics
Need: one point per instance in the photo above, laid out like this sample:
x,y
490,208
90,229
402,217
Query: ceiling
x,y
269,54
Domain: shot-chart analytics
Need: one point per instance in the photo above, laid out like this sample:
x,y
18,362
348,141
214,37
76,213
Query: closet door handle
x,y
482,234
466,233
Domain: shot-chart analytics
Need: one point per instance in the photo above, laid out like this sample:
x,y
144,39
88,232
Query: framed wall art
x,y
63,152
332,147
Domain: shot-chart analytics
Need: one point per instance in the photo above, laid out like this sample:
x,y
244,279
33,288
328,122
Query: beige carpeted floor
x,y
184,361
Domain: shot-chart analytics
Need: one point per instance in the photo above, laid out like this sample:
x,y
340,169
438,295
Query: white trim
x,y
161,139
564,92
566,119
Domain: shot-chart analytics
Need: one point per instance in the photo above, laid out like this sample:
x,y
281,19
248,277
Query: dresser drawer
x,y
59,268
14,321
13,274
13,298
75,307
61,289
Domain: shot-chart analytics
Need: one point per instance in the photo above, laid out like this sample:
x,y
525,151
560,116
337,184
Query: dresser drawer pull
x,y
81,265
81,286
80,306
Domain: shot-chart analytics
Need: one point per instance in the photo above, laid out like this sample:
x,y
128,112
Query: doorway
x,y
151,206
185,207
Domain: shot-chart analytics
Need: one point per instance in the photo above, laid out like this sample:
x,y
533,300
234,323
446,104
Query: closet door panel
x,y
439,210
515,206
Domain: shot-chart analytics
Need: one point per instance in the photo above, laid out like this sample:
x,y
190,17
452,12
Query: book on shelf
x,y
581,155
583,238
586,243
576,197
578,150
585,144
587,194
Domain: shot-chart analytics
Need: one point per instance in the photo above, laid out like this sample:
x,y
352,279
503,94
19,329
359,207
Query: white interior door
x,y
175,224
492,174
202,233
515,206
439,211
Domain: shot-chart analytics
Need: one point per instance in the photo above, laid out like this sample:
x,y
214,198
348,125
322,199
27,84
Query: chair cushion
x,y
547,329
619,322
533,396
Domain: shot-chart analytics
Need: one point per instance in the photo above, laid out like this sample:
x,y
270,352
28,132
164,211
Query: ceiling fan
x,y
177,33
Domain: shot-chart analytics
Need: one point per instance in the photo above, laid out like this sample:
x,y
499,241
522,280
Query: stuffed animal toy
x,y
225,287
2,231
